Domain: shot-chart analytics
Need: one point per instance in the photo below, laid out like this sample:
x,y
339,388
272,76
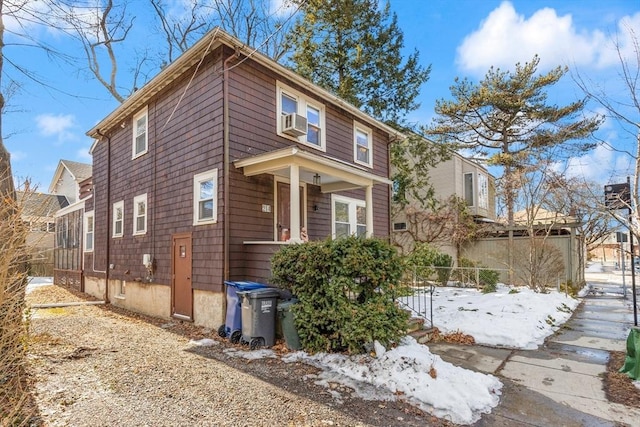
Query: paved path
x,y
560,384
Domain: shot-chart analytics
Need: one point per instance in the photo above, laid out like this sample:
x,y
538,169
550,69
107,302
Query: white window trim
x,y
136,200
143,112
302,102
353,218
483,191
117,205
473,186
85,227
197,179
359,127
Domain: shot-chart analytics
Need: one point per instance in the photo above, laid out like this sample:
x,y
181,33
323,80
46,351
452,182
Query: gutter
x,y
108,244
226,160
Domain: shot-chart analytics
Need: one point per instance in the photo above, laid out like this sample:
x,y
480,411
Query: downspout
x,y
106,270
225,144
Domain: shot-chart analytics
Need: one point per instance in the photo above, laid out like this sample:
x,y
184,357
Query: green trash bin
x,y
632,361
288,325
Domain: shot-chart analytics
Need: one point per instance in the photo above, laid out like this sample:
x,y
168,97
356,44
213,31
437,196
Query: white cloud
x,y
601,165
83,155
506,37
627,26
59,126
16,156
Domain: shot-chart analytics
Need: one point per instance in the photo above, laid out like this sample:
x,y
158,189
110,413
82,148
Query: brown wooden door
x,y
181,289
284,208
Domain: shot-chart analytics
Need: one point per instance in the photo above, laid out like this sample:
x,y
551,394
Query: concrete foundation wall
x,y
146,298
95,287
209,308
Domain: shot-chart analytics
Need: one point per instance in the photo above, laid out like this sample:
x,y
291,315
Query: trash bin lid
x,y
245,285
262,293
286,305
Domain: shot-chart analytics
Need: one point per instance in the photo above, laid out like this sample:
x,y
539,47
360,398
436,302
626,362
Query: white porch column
x,y
369,209
294,200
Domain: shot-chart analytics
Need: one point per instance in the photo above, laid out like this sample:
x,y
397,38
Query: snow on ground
x,y
510,317
410,372
35,282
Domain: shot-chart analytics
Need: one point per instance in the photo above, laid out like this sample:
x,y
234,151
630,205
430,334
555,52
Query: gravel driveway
x,y
99,366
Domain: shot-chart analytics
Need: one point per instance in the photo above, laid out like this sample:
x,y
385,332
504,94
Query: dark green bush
x,y
346,290
424,258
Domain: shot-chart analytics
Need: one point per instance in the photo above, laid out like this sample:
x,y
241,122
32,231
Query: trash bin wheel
x,y
256,343
222,331
235,337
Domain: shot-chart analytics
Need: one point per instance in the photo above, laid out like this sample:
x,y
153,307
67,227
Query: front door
x,y
284,210
181,290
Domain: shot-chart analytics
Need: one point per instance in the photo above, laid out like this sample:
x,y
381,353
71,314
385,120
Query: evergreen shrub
x,y
422,260
346,289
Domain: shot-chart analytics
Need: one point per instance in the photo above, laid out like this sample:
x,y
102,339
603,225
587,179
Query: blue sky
x,y
457,37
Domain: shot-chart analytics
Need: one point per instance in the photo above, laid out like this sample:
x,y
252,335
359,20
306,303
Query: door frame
x,y
174,237
303,203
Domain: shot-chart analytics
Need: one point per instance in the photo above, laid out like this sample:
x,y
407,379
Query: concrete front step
x,y
422,336
415,324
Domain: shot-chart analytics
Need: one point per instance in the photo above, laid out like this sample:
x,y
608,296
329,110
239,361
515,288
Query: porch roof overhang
x,y
335,175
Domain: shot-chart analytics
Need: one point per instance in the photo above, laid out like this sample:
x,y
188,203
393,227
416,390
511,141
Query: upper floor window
x,y
362,145
205,197
349,217
300,118
483,191
140,214
468,189
118,219
140,133
88,231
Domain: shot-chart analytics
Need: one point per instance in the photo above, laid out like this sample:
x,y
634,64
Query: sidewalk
x,y
560,383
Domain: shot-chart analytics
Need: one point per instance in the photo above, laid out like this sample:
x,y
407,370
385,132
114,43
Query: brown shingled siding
x,y
191,142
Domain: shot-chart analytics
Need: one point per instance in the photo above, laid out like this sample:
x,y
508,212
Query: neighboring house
x,y
67,178
460,177
71,180
192,179
38,214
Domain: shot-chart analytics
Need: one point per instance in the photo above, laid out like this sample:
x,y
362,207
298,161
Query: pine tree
x,y
353,48
506,117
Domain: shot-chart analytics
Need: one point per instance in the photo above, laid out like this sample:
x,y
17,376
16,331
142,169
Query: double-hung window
x,y
468,189
140,214
205,197
290,102
88,231
140,133
349,217
118,219
362,145
483,191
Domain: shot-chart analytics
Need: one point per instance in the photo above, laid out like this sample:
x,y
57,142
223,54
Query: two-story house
x,y
71,181
458,177
203,173
67,179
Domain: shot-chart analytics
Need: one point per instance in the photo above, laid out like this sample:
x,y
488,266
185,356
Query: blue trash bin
x,y
232,328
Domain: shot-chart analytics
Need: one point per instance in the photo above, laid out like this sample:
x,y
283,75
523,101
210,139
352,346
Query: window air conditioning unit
x,y
294,125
